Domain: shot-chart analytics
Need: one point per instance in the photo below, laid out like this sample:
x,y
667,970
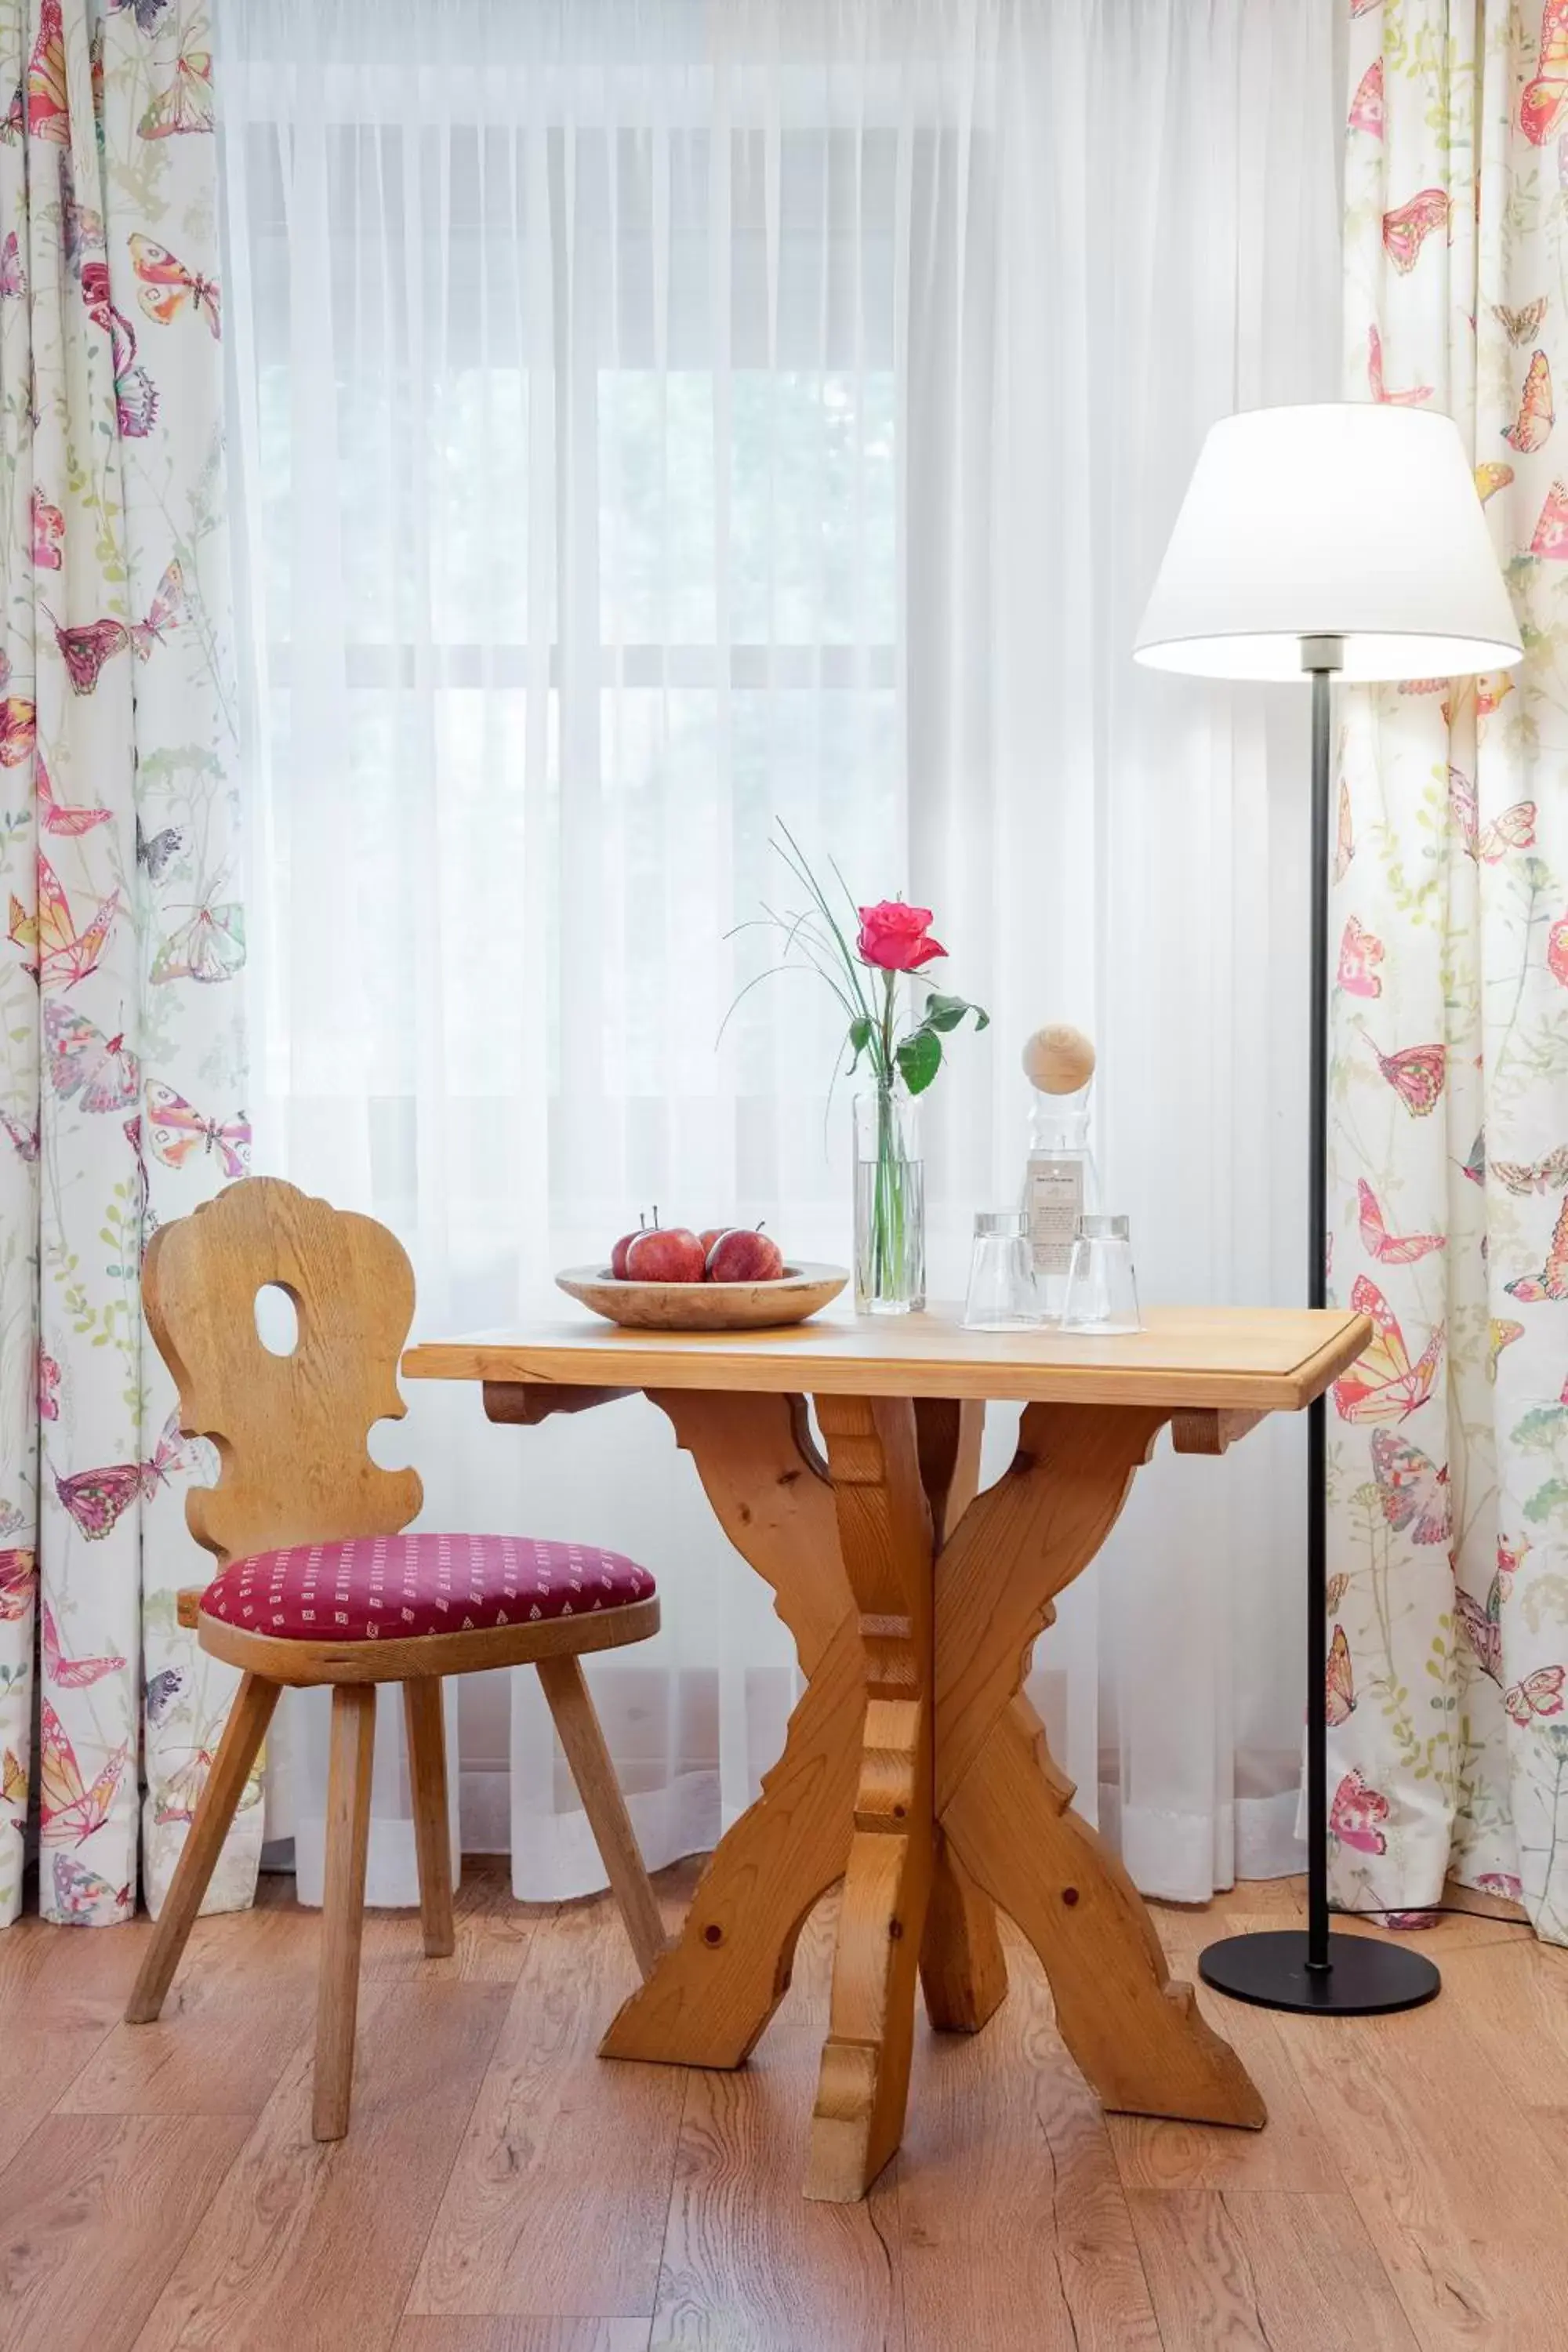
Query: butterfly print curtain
x,y
1448,1630
122,1061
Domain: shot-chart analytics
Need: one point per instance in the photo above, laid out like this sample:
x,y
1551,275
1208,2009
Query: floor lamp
x,y
1312,543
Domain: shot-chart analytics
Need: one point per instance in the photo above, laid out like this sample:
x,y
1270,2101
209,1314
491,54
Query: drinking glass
x,y
1101,1287
1003,1296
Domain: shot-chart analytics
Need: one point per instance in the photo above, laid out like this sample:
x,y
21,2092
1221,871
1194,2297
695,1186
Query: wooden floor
x,y
502,2191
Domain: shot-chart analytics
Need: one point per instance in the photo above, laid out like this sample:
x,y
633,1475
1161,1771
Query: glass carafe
x,y
1062,1184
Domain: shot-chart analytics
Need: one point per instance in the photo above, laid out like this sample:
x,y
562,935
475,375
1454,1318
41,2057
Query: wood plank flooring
x,y
502,2191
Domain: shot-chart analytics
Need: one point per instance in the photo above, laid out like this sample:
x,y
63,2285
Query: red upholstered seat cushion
x,y
393,1587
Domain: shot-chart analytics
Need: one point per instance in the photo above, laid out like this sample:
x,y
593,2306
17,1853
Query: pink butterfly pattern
x,y
1447,1163
102,1072
135,394
1413,396
81,1894
169,285
1356,1815
175,1129
1412,1490
85,649
98,1500
117,801
55,816
1483,1627
1417,1073
1389,1249
1359,955
24,1138
16,1584
1538,1694
70,1674
48,532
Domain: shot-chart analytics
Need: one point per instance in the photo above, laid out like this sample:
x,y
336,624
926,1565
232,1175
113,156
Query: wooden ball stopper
x,y
1058,1060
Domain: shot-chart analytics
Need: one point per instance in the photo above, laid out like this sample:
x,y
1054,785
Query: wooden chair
x,y
319,1585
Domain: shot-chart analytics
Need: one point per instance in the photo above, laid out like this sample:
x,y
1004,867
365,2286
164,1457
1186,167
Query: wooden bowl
x,y
798,1292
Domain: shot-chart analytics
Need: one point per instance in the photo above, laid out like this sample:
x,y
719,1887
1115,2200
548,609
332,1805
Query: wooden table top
x,y
1245,1358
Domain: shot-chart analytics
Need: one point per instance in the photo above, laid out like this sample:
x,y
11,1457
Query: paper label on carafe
x,y
1056,1203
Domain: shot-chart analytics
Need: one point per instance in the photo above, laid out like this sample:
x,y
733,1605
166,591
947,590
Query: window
x,y
595,577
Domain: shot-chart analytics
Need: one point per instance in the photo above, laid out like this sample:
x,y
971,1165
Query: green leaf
x,y
861,1039
919,1057
945,1012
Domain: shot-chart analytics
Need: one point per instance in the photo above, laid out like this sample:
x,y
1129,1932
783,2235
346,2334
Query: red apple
x,y
741,1255
665,1254
619,1254
710,1234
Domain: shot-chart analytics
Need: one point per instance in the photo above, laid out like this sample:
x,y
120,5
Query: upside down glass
x,y
1101,1293
1002,1293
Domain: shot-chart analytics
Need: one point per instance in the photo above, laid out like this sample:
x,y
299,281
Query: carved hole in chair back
x,y
276,1319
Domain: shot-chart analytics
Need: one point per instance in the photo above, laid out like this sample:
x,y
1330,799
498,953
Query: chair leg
x,y
586,1753
342,1909
242,1737
432,1830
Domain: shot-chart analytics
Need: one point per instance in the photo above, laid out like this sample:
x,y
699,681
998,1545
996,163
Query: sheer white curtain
x,y
655,420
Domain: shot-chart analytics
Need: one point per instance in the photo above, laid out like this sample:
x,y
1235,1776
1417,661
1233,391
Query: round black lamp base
x,y
1364,1978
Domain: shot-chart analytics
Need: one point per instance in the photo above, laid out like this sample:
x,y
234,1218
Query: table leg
x,y
885,1536
1005,1809
948,1432
964,1969
1136,2036
712,1994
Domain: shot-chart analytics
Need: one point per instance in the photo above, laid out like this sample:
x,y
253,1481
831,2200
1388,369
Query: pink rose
x,y
896,938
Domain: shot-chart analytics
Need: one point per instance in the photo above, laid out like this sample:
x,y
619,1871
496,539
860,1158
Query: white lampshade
x,y
1356,522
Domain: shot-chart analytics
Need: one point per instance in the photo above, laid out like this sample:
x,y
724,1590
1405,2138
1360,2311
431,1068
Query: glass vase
x,y
889,1205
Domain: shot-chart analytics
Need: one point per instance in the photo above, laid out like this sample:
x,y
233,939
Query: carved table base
x,y
913,1770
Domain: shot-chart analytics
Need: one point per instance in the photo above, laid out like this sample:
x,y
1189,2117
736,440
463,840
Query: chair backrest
x,y
290,1430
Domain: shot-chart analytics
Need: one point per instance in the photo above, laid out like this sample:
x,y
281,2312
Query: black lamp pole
x,y
1342,1976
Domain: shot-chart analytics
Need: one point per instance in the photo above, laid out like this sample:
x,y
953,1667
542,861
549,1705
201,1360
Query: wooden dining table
x,y
913,1769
